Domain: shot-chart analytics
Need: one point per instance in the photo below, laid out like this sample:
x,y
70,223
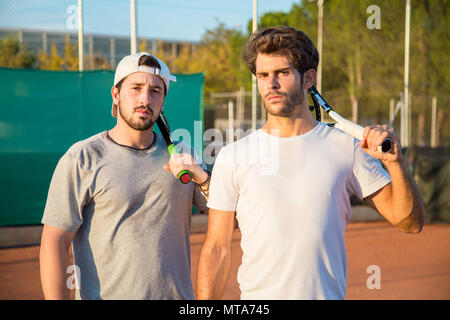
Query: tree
x,y
270,19
13,55
69,59
218,56
50,61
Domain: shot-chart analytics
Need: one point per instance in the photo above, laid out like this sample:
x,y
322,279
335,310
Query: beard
x,y
287,107
140,125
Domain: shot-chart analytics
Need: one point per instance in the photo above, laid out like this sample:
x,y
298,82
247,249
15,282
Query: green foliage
x,y
270,19
218,56
69,59
13,55
367,65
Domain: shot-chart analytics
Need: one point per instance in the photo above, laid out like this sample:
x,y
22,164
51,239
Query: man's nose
x,y
144,98
273,82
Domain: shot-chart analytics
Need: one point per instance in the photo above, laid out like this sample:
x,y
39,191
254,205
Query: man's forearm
x,y
54,260
406,201
213,270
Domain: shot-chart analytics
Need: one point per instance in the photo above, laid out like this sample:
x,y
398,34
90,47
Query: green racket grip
x,y
185,176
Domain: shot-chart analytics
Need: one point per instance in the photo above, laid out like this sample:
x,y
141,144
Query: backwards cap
x,y
129,65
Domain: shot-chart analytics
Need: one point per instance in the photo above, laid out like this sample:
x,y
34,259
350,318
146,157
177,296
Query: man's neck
x,y
294,125
132,138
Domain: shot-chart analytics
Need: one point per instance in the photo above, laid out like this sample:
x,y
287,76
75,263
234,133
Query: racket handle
x,y
184,176
356,131
386,145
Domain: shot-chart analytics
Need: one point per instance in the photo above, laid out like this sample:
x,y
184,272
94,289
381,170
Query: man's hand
x,y
374,136
183,161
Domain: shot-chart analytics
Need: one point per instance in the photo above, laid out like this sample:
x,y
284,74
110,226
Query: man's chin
x,y
280,111
141,125
142,128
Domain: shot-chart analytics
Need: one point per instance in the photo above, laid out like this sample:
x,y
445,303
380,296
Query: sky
x,y
165,19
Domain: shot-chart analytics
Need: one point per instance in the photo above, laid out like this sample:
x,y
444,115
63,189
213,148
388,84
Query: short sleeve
x,y
368,176
66,196
223,190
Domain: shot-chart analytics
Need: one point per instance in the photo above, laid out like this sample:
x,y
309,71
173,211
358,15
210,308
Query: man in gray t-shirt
x,y
115,197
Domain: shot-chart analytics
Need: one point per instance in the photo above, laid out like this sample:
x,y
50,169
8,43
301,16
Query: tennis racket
x,y
345,125
185,176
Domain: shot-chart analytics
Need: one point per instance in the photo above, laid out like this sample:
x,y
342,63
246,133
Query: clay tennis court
x,y
411,266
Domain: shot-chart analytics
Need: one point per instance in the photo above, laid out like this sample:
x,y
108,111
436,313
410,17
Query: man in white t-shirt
x,y
288,185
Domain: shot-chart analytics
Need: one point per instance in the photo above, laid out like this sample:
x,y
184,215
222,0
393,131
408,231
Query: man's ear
x,y
115,95
309,78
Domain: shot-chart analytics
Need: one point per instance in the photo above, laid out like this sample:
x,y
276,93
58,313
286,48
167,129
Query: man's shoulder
x,y
82,149
239,151
241,143
336,136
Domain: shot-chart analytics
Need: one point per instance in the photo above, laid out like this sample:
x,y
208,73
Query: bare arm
x,y
215,257
54,260
400,202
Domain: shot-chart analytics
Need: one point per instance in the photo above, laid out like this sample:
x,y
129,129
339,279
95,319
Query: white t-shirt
x,y
291,197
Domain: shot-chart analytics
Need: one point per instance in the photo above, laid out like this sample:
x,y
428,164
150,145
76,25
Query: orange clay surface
x,y
412,266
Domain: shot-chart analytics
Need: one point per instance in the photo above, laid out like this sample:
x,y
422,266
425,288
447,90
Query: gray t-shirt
x,y
131,218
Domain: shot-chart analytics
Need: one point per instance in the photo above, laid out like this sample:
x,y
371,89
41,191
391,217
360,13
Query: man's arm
x,y
400,202
215,257
54,260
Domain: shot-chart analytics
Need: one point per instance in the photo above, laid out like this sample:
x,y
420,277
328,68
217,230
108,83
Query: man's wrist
x,y
395,165
203,187
199,175
206,180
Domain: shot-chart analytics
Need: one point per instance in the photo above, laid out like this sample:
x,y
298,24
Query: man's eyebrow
x,y
276,70
283,69
141,84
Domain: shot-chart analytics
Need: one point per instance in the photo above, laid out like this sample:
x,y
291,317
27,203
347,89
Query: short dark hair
x,y
295,45
148,61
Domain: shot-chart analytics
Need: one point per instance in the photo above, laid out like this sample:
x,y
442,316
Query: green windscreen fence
x,y
432,174
42,113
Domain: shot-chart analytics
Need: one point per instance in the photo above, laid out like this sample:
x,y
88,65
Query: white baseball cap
x,y
130,64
